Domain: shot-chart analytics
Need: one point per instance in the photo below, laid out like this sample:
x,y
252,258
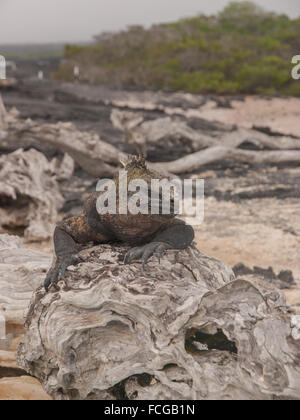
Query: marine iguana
x,y
148,233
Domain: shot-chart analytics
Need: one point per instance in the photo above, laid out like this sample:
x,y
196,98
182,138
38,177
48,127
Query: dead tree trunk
x,y
194,161
29,194
101,159
182,329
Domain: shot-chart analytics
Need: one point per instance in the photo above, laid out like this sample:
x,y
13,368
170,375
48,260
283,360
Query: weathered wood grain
x,y
29,194
22,270
182,329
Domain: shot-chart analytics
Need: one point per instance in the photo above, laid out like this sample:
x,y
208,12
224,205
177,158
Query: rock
x,y
23,388
283,280
182,329
22,270
286,276
241,269
29,194
222,102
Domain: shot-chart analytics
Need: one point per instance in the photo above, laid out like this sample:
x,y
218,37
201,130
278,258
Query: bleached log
x,y
22,270
64,169
29,194
195,161
182,329
101,159
141,133
23,388
260,140
95,156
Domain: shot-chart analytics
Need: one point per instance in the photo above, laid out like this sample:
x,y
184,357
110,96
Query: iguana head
x,y
135,162
135,168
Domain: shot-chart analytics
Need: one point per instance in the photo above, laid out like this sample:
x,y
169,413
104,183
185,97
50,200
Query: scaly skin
x,y
150,234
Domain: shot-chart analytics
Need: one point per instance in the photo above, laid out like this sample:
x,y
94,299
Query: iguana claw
x,y
58,272
145,252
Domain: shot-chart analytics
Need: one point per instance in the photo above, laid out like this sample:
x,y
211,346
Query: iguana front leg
x,y
68,236
177,236
66,251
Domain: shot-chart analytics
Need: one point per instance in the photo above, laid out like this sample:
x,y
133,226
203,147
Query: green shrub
x,y
243,49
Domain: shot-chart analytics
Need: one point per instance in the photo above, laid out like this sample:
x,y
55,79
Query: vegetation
x,y
243,49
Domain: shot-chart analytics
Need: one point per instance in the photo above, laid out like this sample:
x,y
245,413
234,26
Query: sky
x,y
41,21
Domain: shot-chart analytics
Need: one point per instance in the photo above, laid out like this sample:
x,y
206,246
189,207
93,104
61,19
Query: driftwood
x,y
142,133
101,159
15,383
182,329
22,270
95,156
23,388
29,194
196,160
164,102
269,149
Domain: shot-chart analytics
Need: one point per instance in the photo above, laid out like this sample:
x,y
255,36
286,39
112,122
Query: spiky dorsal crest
x,y
138,162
